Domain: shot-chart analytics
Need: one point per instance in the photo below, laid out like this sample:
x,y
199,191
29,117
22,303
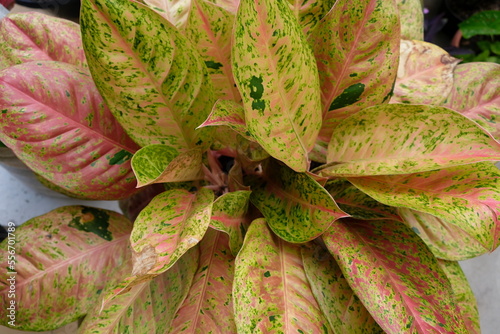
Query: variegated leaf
x,y
63,260
229,5
210,29
208,308
172,223
175,11
310,12
357,204
54,119
464,295
425,74
276,75
476,94
411,16
150,75
396,277
159,163
230,114
271,292
357,50
229,215
148,307
445,238
340,305
403,139
33,36
465,196
295,206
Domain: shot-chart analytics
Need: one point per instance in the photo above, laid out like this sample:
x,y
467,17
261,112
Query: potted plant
x,y
321,174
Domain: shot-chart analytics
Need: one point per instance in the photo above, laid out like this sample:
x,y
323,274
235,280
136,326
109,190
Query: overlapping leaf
x,y
26,37
425,74
463,294
357,50
148,307
476,94
396,277
175,11
402,139
342,308
63,260
412,19
466,196
310,12
229,5
54,119
210,29
357,204
158,163
208,308
151,76
271,292
295,206
276,75
229,215
230,114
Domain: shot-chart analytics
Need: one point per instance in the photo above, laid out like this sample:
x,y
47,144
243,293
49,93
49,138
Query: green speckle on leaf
x,y
267,274
256,88
120,157
213,65
272,318
94,221
349,96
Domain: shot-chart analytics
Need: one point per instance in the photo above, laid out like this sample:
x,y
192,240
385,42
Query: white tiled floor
x,y
19,203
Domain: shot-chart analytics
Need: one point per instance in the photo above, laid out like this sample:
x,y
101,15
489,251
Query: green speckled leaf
x,y
403,139
158,163
476,94
463,294
230,114
33,36
210,29
271,292
310,12
465,196
54,119
175,11
229,5
229,215
150,75
357,50
357,204
208,308
277,77
396,277
148,307
62,269
411,16
296,207
342,308
172,223
425,74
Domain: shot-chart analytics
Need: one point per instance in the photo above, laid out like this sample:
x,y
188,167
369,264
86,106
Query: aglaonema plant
x,y
320,169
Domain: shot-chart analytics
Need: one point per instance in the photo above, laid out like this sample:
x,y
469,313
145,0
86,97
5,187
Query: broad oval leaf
x,y
396,277
148,307
310,12
229,215
175,11
210,29
54,119
208,308
466,196
150,75
271,292
159,163
411,16
172,223
464,295
33,36
340,305
357,204
476,94
277,77
484,22
403,139
64,258
297,208
357,49
425,74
